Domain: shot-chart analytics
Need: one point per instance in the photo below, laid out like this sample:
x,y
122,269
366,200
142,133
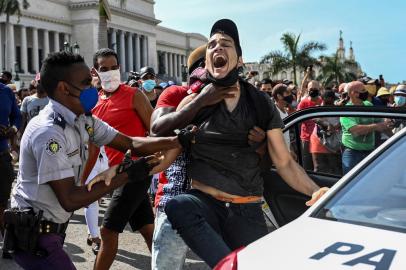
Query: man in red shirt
x,y
307,127
129,111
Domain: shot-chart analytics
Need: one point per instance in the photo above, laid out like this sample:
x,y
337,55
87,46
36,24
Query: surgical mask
x,y
148,85
400,101
314,93
88,97
363,96
229,80
288,99
110,80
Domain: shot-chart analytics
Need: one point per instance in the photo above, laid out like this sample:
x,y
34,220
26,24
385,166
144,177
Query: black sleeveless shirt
x,y
221,156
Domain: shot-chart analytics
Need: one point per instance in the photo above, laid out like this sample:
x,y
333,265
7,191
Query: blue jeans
x,y
212,228
168,248
351,158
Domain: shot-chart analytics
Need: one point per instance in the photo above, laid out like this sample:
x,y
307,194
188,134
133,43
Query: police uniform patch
x,y
52,147
89,130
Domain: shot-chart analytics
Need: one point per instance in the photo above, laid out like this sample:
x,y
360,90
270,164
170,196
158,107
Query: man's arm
x,y
141,146
72,197
91,161
24,122
303,86
15,116
165,120
289,170
359,130
143,108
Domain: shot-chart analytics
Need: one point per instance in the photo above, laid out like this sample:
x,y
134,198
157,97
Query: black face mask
x,y
230,79
363,96
314,93
288,99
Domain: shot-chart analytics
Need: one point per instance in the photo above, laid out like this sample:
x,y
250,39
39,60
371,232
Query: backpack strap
x,y
258,101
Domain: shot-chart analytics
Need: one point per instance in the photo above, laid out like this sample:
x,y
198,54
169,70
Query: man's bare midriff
x,y
216,193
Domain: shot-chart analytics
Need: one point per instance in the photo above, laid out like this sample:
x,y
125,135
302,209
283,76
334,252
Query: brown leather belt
x,y
248,199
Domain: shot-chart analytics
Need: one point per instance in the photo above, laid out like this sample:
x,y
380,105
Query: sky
x,y
376,28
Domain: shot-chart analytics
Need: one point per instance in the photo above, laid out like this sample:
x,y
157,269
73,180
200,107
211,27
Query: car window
x,y
333,145
376,196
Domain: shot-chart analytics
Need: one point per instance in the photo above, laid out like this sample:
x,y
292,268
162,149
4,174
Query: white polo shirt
x,y
53,147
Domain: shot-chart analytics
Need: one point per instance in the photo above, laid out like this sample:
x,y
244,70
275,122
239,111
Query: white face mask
x,y
110,80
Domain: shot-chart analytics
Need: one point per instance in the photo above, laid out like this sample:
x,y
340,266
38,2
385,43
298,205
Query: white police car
x,y
359,224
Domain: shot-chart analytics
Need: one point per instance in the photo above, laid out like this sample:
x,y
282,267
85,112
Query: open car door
x,y
287,204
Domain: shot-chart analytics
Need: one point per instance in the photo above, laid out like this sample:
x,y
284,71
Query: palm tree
x,y
10,8
294,56
104,16
335,70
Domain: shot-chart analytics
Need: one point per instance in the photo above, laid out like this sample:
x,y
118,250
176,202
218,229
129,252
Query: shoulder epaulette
x,y
58,119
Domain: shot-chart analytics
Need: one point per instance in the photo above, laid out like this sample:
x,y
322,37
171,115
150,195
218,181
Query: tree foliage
x,y
335,70
13,7
293,56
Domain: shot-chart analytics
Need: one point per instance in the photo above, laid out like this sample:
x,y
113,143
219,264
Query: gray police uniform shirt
x,y
53,147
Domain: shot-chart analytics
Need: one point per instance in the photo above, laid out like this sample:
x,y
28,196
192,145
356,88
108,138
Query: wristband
x,y
125,164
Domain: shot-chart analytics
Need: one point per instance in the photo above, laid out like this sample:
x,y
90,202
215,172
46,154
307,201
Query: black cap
x,y
229,28
146,70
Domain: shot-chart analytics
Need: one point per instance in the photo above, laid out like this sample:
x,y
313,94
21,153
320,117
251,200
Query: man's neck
x,y
66,105
41,95
281,105
232,102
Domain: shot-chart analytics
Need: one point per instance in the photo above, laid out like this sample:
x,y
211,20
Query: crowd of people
x,y
334,145
181,163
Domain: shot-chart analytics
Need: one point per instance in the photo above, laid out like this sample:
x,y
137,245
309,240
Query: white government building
x,y
133,32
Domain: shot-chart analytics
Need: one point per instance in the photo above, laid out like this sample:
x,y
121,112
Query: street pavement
x,y
132,251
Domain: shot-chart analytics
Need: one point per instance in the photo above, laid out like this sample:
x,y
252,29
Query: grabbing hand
x,y
105,177
139,169
256,135
382,126
317,195
212,94
186,136
7,132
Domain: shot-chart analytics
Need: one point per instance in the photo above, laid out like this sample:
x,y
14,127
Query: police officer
x,y
53,153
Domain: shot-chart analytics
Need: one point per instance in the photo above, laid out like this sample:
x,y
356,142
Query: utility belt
x,y
23,228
